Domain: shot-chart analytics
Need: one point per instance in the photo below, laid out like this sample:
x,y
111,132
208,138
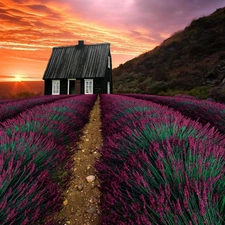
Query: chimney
x,y
80,43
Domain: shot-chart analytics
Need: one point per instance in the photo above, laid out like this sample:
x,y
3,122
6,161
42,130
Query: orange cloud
x,y
30,28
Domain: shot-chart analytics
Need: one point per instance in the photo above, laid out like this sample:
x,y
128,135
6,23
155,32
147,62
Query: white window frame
x,y
108,87
109,62
68,85
88,86
55,87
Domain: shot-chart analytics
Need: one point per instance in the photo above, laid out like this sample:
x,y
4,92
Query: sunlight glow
x,y
18,78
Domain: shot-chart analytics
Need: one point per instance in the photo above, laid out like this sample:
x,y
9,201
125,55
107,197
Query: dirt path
x,y
82,198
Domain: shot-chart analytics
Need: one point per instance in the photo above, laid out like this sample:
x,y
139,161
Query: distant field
x,y
12,88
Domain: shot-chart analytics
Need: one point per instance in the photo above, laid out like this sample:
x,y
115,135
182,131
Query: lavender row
x,y
36,159
158,167
202,110
13,108
9,100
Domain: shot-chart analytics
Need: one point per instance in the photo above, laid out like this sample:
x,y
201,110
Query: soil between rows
x,y
81,203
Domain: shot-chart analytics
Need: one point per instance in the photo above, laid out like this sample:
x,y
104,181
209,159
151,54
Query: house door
x,y
77,87
55,87
88,86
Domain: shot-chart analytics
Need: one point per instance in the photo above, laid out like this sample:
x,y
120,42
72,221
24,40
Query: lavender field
x,y
159,166
35,162
162,159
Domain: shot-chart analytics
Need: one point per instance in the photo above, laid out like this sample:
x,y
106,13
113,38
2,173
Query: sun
x,y
17,78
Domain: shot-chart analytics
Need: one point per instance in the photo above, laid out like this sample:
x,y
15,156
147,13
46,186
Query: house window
x,y
55,87
88,86
108,61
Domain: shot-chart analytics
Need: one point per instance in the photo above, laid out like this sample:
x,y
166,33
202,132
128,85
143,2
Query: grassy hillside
x,y
191,61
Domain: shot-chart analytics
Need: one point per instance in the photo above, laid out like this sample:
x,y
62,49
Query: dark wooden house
x,y
79,69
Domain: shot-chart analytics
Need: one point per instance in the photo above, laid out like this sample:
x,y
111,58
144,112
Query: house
x,y
79,69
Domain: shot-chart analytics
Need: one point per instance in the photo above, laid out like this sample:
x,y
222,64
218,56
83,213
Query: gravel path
x,y
81,204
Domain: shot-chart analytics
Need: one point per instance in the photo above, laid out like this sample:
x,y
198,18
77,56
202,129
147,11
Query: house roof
x,y
78,61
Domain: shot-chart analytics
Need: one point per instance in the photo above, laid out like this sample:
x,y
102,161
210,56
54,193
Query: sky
x,y
29,29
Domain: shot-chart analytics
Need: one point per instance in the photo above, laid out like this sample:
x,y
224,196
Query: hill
x,y
21,89
191,61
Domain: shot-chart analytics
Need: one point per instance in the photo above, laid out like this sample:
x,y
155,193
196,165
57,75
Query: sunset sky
x,y
30,28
